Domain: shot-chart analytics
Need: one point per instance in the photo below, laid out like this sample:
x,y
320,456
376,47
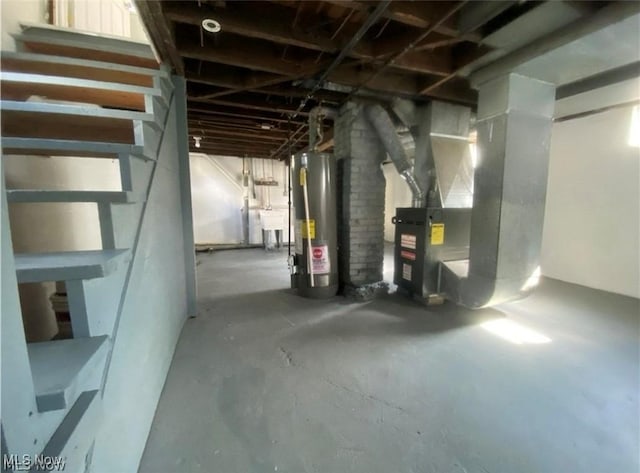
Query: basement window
x,y
634,128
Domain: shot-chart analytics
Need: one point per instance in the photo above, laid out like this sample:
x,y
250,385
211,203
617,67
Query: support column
x,y
361,212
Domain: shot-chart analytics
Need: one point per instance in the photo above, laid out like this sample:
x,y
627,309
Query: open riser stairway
x,y
69,94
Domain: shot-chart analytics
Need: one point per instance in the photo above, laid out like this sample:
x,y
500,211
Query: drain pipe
x,y
379,119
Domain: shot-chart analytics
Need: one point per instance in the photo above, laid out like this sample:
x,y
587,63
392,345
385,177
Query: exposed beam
x,y
290,142
395,58
419,14
230,132
230,151
246,51
160,32
220,111
235,124
327,142
475,14
279,90
246,20
612,13
242,52
246,105
425,62
392,82
613,76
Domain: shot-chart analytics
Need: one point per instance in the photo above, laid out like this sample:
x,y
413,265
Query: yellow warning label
x,y
311,228
303,176
437,233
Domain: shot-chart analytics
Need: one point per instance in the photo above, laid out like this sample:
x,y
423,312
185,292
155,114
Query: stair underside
x,y
43,147
19,86
26,196
62,369
78,68
20,124
68,265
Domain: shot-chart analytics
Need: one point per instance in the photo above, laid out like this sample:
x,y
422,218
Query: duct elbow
x,y
477,292
379,119
416,190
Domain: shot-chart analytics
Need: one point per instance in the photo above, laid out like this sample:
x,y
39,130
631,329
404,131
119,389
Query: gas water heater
x,y
315,264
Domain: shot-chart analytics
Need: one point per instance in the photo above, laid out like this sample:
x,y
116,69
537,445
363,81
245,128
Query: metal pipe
x,y
315,120
409,47
346,50
305,193
379,119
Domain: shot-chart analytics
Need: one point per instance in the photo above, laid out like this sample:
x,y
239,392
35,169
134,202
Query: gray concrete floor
x,y
266,381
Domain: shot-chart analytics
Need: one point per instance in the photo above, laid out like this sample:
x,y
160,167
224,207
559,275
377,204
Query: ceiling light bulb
x,y
197,141
211,25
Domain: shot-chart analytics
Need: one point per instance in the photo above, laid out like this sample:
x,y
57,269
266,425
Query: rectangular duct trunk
x,y
514,131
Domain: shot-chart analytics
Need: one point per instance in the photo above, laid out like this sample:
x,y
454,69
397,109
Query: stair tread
x,y
40,195
27,124
79,68
60,367
74,43
8,106
21,86
50,147
67,265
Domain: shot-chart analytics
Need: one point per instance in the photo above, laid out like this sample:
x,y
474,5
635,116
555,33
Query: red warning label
x,y
320,259
408,255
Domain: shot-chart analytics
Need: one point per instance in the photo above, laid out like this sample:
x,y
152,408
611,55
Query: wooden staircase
x,y
96,97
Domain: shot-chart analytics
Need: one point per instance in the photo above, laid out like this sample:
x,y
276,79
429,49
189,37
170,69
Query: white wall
x,y
109,17
397,194
592,220
15,11
218,197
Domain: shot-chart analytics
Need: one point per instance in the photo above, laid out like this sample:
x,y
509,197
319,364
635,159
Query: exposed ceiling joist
x,y
251,86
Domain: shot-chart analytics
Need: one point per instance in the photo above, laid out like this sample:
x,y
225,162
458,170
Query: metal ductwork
x,y
487,254
514,131
381,122
443,156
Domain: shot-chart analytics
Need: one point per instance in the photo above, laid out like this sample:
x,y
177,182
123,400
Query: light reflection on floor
x,y
514,332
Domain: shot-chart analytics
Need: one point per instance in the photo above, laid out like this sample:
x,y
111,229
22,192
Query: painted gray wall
x,y
153,313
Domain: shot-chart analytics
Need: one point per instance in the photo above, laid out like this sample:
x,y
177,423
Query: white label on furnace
x,y
298,236
406,272
408,241
320,259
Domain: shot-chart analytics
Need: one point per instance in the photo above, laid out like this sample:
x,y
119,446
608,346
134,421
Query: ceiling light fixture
x,y
212,26
265,126
197,141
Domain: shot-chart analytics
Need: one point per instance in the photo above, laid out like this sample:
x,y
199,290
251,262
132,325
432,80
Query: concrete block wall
x,y
361,214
